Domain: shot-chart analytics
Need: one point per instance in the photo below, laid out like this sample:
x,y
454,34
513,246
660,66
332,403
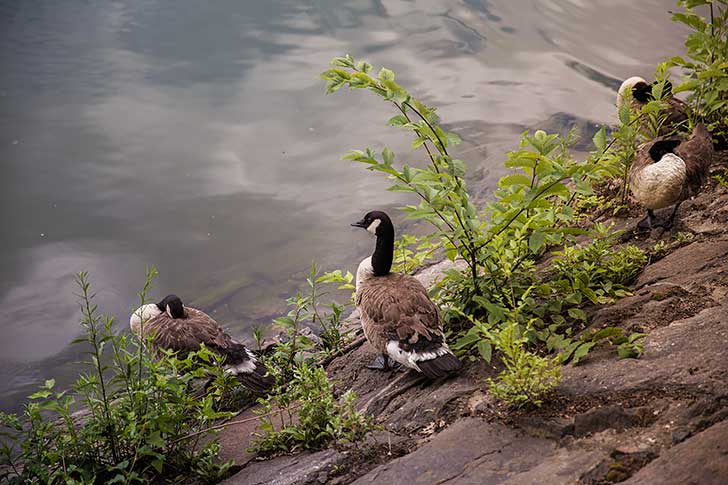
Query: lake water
x,y
196,136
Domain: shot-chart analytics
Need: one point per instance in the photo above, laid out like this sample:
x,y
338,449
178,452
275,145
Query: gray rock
x,y
701,460
469,451
301,469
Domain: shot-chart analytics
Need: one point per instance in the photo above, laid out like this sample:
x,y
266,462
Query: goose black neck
x,y
384,250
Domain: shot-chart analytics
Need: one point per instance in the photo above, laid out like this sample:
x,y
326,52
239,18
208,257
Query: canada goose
x,y
398,317
675,111
668,171
173,326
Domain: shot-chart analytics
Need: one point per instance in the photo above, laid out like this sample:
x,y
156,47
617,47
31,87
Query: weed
x,y
721,180
527,376
307,415
308,308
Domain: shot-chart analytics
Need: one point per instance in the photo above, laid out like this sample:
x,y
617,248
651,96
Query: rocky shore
x,y
662,418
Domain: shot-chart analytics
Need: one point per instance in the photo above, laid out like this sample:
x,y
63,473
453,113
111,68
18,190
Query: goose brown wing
x,y
186,334
397,307
697,152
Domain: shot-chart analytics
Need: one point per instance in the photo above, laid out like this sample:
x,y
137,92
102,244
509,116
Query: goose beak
x,y
362,223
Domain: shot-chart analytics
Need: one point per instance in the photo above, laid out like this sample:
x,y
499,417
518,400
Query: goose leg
x,y
383,362
671,220
649,221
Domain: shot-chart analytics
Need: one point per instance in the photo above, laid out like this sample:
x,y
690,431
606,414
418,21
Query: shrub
x,y
527,376
140,422
706,66
307,415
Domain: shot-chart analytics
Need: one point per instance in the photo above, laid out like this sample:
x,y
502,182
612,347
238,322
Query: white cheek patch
x,y
169,312
374,225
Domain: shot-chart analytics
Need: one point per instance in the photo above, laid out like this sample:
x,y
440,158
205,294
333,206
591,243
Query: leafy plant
x,y
527,376
532,210
707,65
307,415
307,308
139,423
412,253
720,179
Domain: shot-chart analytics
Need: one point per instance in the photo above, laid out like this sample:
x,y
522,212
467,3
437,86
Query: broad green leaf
x,y
486,350
398,120
581,351
536,241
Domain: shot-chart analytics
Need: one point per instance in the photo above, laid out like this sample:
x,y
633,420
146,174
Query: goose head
x,y
380,262
641,90
172,305
377,223
636,85
661,148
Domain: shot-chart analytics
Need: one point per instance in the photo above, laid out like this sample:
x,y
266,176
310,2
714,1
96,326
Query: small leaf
x,y
536,241
485,350
387,156
581,351
398,120
577,314
386,74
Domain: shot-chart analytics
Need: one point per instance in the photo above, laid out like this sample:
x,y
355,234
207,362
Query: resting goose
x,y
676,110
398,317
668,171
173,326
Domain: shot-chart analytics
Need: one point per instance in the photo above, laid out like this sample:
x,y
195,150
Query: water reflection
x,y
196,136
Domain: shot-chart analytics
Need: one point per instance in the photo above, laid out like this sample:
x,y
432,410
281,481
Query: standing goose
x,y
173,326
668,171
398,317
675,111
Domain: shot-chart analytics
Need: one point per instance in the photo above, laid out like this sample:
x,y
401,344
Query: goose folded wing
x,y
399,307
186,334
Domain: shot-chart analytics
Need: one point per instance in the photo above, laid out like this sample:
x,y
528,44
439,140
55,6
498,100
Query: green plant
x,y
532,210
140,422
527,376
258,337
630,347
707,68
412,253
720,179
307,415
307,308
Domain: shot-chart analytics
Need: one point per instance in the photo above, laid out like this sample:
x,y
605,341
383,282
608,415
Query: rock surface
x,y
662,418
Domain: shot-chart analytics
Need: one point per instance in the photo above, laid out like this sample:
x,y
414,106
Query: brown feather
x,y
397,307
186,334
697,152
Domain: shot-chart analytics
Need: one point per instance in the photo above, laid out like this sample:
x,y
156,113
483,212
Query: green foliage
x,y
706,66
140,421
527,376
306,308
532,210
412,253
721,180
307,415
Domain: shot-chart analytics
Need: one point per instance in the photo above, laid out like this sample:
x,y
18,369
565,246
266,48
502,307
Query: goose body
x,y
668,171
675,109
173,326
397,316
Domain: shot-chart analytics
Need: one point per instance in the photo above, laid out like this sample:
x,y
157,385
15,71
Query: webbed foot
x,y
383,362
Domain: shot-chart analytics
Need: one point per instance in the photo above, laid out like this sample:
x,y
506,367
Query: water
x,y
195,136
